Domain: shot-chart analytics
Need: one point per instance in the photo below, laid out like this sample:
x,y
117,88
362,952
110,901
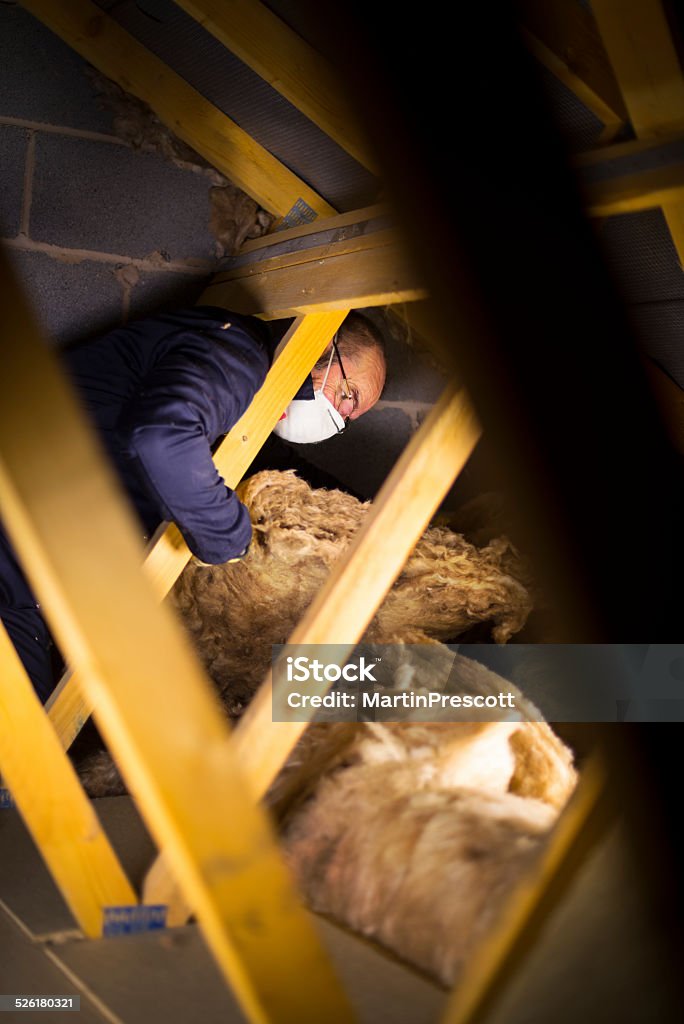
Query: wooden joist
x,y
69,707
284,60
637,38
79,547
114,52
647,152
367,277
362,264
563,36
640,190
261,253
52,803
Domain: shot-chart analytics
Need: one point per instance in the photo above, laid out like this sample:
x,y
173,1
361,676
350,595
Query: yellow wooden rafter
x,y
52,803
284,60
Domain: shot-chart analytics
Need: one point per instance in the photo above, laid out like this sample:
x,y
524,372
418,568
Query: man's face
x,y
365,377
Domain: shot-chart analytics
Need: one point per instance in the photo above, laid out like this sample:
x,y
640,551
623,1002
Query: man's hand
x,y
210,565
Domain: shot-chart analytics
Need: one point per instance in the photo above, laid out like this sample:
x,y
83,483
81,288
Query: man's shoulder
x,y
219,323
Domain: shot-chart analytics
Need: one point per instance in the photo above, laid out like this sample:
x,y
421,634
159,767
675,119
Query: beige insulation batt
x,y
416,840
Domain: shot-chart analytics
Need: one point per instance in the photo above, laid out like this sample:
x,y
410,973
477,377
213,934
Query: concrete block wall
x,y
100,233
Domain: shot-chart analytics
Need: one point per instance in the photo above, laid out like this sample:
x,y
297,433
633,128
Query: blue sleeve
x,y
194,393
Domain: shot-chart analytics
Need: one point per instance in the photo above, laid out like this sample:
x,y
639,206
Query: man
x,y
162,392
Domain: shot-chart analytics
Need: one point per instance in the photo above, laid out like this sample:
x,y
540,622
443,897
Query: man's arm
x,y
195,393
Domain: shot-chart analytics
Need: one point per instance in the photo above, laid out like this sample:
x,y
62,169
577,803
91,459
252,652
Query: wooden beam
x,y
635,175
69,707
638,41
324,280
114,52
52,803
332,223
284,60
79,547
648,151
359,581
309,255
563,36
308,242
642,190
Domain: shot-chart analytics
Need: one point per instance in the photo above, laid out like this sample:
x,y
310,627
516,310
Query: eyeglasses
x,y
346,392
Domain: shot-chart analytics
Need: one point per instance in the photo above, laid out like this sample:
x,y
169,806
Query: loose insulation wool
x,y
235,612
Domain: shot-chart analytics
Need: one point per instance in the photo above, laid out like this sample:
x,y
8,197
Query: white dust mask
x,y
305,421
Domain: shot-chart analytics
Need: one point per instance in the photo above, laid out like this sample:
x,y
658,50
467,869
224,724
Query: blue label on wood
x,y
301,213
131,920
6,798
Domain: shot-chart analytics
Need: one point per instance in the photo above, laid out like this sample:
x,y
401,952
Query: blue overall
x,y
161,392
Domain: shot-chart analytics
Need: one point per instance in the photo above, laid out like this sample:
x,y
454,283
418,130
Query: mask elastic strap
x,y
332,356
